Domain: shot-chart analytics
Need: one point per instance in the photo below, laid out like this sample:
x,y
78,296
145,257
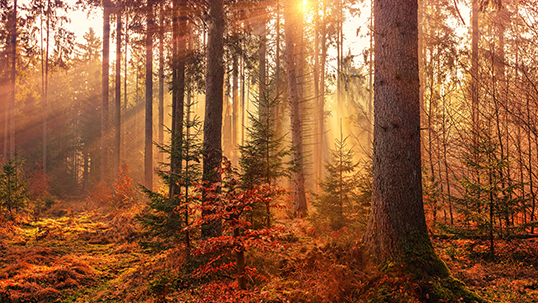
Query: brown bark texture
x,y
294,93
104,88
214,102
148,150
117,110
397,219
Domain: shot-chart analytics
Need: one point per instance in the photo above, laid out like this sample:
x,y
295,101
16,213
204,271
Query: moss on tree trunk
x,y
397,235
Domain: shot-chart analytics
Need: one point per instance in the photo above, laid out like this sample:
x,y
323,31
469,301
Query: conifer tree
x,y
165,215
263,154
487,197
342,200
13,190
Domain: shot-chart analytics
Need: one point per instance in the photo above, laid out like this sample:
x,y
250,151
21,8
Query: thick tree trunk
x,y
117,109
214,102
104,88
148,144
293,71
397,223
318,161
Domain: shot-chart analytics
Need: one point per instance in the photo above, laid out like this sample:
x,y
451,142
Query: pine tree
x,y
263,155
13,190
166,216
346,190
487,198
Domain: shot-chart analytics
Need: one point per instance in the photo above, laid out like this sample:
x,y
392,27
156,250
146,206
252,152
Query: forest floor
x,y
91,256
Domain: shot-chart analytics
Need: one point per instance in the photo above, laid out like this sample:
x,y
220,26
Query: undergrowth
x,y
94,257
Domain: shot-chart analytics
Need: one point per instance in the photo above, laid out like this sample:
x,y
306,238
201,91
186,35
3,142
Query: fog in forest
x,y
256,151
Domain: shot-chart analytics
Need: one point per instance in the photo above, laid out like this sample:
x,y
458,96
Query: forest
x,y
268,151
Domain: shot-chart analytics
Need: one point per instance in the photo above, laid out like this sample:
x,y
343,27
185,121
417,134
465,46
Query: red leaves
x,y
226,202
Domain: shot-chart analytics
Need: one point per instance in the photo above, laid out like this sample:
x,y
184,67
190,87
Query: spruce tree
x,y
263,156
346,190
13,190
165,216
487,198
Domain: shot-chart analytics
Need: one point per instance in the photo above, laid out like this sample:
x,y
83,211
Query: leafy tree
x,y
227,251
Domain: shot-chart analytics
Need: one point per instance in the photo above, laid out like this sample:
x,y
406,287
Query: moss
x,y
434,277
420,266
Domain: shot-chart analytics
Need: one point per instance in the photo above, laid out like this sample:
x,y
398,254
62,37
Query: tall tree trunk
x,y
261,29
117,111
161,81
46,93
371,76
148,144
104,88
474,69
235,93
318,161
214,103
13,81
178,91
293,70
397,222
321,113
126,62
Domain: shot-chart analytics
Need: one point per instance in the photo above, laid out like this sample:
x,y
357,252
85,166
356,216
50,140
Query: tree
x,y
13,190
148,150
13,56
293,20
396,231
341,200
178,91
213,103
104,93
263,155
117,107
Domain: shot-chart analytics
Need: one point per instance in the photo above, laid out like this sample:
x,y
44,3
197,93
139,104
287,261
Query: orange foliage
x,y
38,184
123,196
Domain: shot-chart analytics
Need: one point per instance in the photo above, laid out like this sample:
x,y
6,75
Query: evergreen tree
x,y
165,216
346,190
263,154
487,198
13,190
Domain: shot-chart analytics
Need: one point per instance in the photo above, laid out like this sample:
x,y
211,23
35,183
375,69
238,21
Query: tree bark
x,y
117,110
474,68
397,223
13,82
213,103
104,88
178,91
46,93
148,144
161,82
294,73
